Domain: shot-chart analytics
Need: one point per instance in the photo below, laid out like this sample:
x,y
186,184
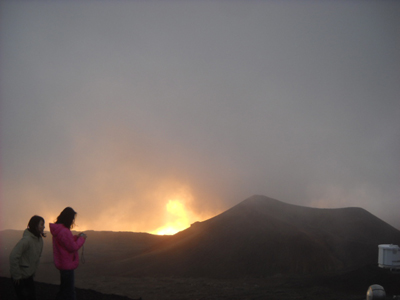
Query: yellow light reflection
x,y
178,216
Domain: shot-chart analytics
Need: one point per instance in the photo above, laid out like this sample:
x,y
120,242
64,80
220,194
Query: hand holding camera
x,y
83,235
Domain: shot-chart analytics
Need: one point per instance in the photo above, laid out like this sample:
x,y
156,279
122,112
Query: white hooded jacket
x,y
24,258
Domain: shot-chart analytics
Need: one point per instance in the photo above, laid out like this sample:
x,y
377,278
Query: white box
x,y
389,256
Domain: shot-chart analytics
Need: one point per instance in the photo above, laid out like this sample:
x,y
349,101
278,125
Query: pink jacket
x,y
65,247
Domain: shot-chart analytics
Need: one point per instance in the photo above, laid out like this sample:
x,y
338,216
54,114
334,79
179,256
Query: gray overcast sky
x,y
117,107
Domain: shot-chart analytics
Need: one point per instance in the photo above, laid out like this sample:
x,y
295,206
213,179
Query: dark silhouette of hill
x,y
262,237
102,249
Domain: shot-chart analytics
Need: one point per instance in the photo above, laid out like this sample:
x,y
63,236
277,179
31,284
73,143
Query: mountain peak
x,y
262,236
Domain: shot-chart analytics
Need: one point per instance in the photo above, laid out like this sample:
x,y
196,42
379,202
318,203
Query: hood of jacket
x,y
56,229
28,233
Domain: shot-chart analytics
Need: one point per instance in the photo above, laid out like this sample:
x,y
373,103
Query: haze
x,y
144,115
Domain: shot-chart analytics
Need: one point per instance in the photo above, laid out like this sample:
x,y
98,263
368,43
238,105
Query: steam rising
x,y
135,111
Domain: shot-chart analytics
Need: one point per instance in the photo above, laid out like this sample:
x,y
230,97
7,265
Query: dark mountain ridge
x,y
262,237
259,237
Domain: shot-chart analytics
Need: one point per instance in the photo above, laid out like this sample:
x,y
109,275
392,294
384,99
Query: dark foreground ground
x,y
46,291
352,285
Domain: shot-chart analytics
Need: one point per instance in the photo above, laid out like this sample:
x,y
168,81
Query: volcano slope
x,y
264,237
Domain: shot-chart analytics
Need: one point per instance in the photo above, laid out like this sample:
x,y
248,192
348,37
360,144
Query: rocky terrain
x,y
351,285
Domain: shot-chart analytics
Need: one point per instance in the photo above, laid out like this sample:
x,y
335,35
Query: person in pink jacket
x,y
65,252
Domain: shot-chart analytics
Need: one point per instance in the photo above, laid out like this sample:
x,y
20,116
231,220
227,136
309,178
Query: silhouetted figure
x,y
25,257
65,252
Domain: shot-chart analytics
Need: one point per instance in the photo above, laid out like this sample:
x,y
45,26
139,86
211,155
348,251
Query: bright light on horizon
x,y
160,208
178,216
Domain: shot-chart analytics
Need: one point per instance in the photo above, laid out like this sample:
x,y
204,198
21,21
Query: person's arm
x,y
68,241
40,254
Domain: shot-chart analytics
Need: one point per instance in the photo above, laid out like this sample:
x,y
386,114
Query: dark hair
x,y
33,226
67,217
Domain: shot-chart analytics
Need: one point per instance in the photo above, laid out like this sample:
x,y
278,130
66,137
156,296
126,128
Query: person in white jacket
x,y
25,257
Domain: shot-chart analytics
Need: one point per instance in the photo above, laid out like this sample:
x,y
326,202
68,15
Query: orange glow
x,y
178,219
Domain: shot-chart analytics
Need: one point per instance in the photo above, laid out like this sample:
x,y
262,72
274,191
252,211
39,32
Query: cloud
x,y
115,115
